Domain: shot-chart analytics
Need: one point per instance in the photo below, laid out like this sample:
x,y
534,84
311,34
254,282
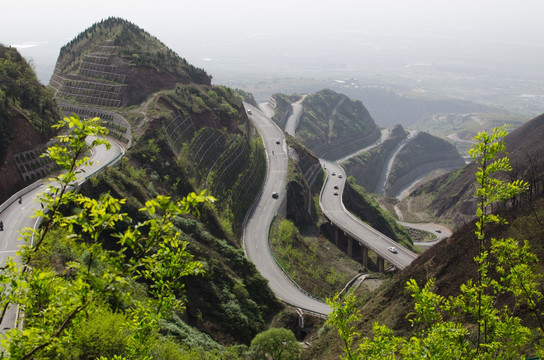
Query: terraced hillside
x,y
281,104
419,157
333,126
368,167
114,63
207,128
116,71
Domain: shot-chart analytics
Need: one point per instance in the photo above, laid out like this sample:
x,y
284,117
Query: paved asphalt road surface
x,y
18,216
334,209
257,227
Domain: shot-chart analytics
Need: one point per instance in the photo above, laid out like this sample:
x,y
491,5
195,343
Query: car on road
x,y
249,111
275,195
336,187
438,231
336,193
339,176
333,173
278,141
392,249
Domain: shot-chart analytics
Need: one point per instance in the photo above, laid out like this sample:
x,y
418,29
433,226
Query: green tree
x,y
53,302
471,324
275,344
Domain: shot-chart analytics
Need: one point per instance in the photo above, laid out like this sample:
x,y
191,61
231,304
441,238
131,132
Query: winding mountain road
x,y
256,231
333,207
19,216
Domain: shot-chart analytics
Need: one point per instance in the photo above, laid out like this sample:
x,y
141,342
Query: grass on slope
x,y
311,260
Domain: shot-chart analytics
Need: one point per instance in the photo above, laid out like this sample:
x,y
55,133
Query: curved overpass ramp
x,y
333,208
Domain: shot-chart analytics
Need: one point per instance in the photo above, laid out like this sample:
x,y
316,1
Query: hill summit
x,y
114,63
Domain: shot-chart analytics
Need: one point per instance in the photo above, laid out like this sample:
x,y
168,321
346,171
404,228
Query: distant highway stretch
x,y
333,208
18,216
256,231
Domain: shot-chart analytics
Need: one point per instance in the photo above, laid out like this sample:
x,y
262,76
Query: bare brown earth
x,y
27,138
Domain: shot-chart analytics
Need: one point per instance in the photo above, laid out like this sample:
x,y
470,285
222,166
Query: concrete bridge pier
x,y
350,246
336,236
381,264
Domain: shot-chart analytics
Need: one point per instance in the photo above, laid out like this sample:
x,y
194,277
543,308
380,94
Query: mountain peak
x,y
115,63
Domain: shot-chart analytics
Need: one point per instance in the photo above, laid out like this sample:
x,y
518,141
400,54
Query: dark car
x,y
275,195
277,142
336,193
336,187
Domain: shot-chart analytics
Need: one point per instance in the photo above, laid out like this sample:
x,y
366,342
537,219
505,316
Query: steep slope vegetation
x,y
333,126
450,197
360,203
114,64
207,128
231,301
451,264
187,136
419,157
27,111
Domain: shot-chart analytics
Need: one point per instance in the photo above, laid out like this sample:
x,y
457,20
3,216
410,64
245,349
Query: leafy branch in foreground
x,y
470,324
53,302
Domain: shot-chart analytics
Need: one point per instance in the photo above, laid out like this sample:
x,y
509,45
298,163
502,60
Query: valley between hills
x,y
313,198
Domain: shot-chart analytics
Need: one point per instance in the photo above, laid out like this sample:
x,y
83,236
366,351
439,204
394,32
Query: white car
x,y
393,249
249,111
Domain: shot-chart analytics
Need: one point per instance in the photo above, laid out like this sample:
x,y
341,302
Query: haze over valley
x,y
488,52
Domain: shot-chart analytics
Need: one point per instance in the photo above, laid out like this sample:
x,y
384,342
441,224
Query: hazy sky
x,y
30,20
204,29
